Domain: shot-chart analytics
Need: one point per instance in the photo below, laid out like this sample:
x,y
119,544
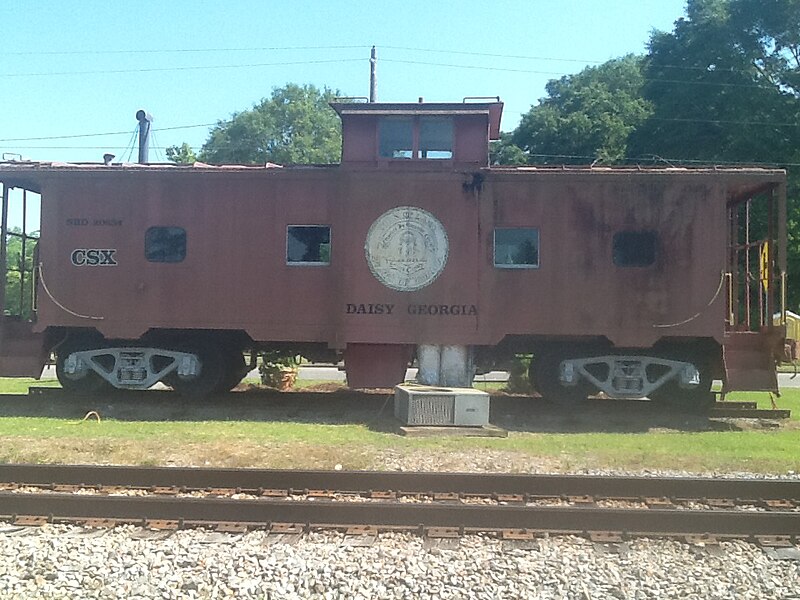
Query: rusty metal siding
x,y
364,198
578,290
359,139
235,274
471,133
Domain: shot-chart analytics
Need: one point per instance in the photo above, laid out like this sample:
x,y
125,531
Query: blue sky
x,y
76,67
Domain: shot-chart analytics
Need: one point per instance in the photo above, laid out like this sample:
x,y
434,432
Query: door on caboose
x,y
756,290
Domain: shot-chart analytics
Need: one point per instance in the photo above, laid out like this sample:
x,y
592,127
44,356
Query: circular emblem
x,y
406,248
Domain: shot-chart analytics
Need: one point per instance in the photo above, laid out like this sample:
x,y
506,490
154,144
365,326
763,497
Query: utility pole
x,y
145,121
373,84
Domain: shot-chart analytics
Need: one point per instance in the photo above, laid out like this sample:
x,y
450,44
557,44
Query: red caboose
x,y
634,281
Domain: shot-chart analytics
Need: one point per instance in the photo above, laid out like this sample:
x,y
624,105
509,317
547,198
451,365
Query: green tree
x,y
505,152
16,302
721,84
769,32
294,125
585,117
182,155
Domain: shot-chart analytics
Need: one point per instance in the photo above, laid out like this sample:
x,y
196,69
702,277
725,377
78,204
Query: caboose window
x,y
165,244
516,248
397,138
634,248
436,137
308,245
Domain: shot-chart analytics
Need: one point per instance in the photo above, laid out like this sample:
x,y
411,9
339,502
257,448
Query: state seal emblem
x,y
406,248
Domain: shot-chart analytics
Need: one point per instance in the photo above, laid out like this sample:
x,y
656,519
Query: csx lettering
x,y
94,257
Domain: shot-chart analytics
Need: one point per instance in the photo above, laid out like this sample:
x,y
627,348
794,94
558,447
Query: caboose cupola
x,y
422,133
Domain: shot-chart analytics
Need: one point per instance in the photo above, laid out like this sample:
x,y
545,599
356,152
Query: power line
x,y
86,135
354,47
551,59
336,47
132,143
174,50
726,122
536,72
388,60
192,68
178,127
491,55
123,148
285,48
586,157
654,158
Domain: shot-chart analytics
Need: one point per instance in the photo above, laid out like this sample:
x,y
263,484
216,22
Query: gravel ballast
x,y
59,561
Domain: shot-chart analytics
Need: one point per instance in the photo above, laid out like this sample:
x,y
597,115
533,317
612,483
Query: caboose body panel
x,y
578,289
235,274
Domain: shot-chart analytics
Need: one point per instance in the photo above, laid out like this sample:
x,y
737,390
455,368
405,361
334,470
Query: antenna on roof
x,y
373,84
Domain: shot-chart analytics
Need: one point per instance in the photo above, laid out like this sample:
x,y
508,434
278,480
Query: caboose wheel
x,y
697,400
544,376
208,381
89,383
234,371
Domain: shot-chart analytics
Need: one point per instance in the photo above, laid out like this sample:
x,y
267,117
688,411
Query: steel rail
x,y
389,515
488,484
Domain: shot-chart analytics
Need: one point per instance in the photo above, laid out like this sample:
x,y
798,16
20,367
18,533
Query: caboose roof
x,y
494,110
10,167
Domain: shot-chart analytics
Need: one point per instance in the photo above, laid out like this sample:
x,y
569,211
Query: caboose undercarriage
x,y
559,371
628,376
130,367
193,363
563,371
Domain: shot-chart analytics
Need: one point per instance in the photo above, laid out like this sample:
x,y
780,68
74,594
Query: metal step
x,y
22,352
749,362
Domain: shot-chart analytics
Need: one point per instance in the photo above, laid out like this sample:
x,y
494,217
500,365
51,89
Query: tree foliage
x,y
17,300
721,84
585,117
505,152
294,125
182,155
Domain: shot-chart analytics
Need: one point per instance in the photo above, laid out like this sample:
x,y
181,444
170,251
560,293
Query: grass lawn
x,y
290,439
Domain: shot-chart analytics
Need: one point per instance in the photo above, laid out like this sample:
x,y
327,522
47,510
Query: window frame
x,y
430,118
397,119
525,266
416,132
305,263
166,227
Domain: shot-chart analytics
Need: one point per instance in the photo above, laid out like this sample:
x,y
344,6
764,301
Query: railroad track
x,y
516,507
